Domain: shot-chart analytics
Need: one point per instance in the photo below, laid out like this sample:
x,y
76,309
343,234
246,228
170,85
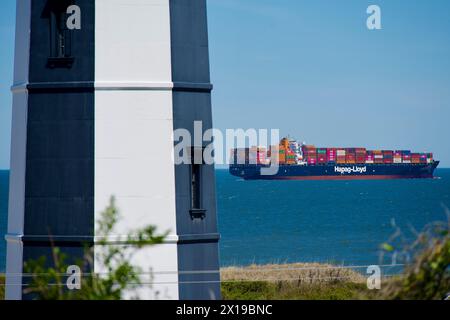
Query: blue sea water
x,y
310,221
342,222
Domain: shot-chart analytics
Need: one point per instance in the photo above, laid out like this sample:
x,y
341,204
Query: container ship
x,y
306,162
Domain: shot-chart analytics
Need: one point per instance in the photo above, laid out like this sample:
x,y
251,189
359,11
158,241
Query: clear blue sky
x,y
312,69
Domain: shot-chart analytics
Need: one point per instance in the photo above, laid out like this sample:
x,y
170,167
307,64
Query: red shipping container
x,y
378,160
322,160
331,152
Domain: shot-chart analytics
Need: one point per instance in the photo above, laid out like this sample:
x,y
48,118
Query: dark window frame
x,y
196,186
60,37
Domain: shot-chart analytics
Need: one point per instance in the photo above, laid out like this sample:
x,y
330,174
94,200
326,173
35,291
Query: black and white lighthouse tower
x,y
99,87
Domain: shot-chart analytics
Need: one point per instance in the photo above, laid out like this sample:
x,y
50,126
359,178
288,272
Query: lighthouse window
x,y
60,55
196,178
60,36
195,186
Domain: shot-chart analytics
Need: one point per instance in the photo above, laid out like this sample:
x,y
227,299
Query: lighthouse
x,y
99,88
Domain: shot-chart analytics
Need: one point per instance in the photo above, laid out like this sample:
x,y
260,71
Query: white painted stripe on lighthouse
x,y
133,41
16,208
134,124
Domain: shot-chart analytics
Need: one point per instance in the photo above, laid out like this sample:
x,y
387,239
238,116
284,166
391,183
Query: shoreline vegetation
x,y
298,281
2,287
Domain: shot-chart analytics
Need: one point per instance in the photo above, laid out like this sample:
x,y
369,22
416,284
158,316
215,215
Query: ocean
x,y
341,222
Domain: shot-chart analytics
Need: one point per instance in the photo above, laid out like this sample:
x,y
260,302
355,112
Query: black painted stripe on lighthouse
x,y
59,195
192,102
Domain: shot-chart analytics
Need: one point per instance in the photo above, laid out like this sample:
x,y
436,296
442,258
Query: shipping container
x,y
240,156
341,160
322,159
378,157
331,155
415,158
388,154
423,158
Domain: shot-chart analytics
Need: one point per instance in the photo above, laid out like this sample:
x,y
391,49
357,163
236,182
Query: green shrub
x,y
257,290
288,290
427,271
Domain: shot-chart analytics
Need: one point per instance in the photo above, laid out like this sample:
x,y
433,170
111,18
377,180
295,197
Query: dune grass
x,y
293,282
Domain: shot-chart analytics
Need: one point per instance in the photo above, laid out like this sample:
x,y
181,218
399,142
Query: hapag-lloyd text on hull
x,y
350,170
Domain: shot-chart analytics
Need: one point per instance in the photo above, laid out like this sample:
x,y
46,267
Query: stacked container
x,y
282,155
398,157
321,156
406,156
331,155
275,150
360,155
370,158
258,155
240,156
341,156
310,153
423,158
388,156
350,156
290,153
378,157
290,157
415,158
